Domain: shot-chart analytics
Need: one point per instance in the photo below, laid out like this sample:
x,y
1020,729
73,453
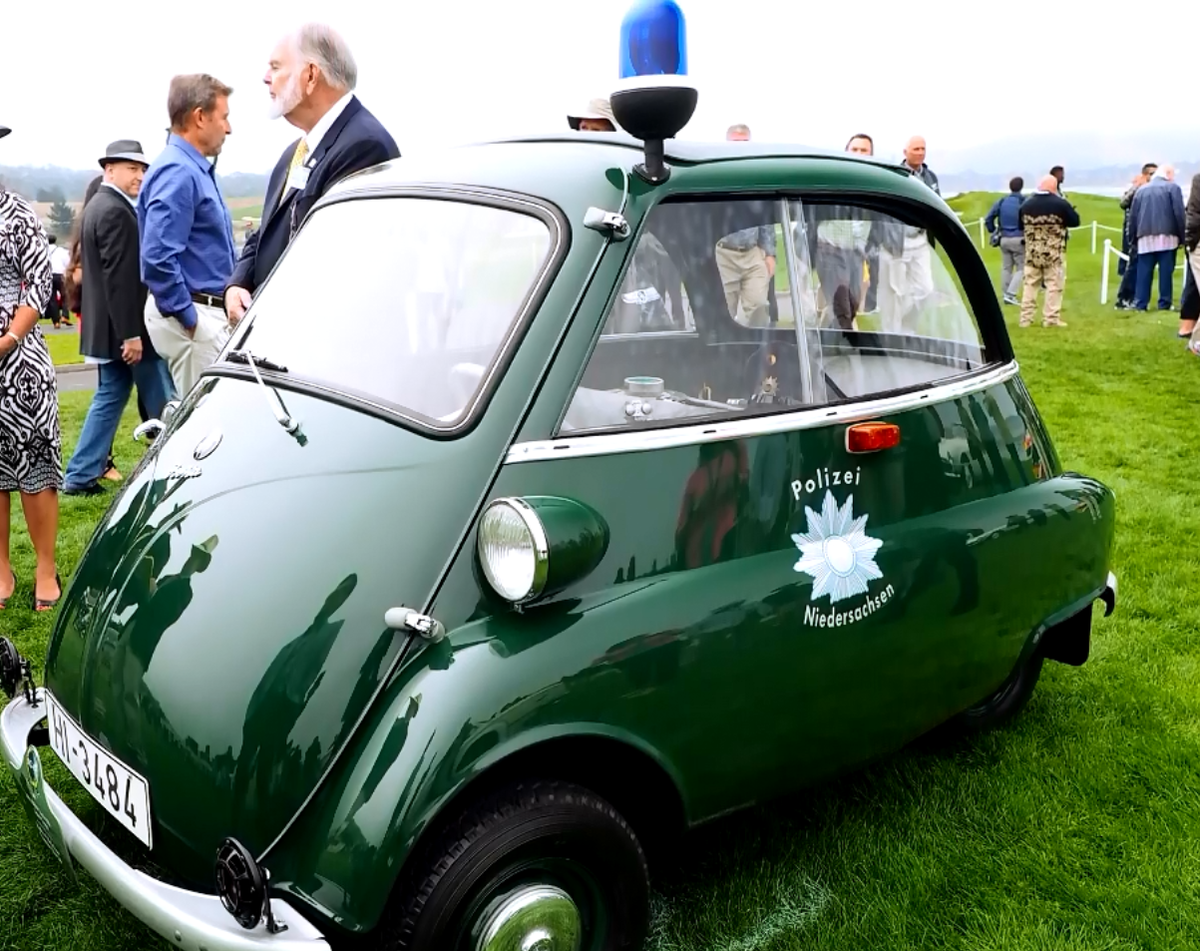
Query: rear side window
x,y
745,307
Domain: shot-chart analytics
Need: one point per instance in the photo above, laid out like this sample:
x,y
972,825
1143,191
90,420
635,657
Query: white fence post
x,y
1104,272
982,234
1094,224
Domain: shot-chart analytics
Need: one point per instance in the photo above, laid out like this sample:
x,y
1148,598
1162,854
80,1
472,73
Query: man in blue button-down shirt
x,y
186,232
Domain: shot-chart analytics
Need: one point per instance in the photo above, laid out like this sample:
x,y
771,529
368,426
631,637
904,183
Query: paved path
x,y
76,376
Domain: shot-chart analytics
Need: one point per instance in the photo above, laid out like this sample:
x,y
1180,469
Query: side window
x,y
890,311
793,306
651,298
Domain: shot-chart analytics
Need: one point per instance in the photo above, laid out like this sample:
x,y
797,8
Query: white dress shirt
x,y
313,140
318,132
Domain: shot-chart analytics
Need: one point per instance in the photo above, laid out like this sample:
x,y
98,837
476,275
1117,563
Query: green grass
x,y
1076,829
64,347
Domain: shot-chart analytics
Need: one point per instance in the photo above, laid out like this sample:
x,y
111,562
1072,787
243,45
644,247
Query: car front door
x,y
792,600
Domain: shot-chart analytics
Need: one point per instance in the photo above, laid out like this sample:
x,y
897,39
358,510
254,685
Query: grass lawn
x,y
64,347
1077,828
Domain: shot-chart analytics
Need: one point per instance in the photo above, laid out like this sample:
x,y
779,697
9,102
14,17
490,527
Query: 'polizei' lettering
x,y
825,479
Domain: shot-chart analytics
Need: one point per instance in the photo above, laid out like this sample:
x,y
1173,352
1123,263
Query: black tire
x,y
1008,700
538,832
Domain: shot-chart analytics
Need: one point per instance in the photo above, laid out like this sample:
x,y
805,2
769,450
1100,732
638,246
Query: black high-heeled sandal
x,y
4,601
47,604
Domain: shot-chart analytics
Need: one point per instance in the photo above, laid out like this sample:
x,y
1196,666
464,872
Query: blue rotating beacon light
x,y
654,99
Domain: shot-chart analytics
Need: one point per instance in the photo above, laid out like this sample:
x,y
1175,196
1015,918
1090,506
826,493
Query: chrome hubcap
x,y
536,918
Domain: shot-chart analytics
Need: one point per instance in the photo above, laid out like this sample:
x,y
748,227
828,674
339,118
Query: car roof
x,y
557,166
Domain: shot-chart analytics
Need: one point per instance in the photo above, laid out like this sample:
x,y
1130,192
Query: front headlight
x,y
513,550
533,547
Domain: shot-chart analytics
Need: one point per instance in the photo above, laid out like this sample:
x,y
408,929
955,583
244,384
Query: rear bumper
x,y
1109,594
189,920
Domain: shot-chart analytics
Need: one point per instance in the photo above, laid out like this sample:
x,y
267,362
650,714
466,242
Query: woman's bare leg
x,y
41,512
6,577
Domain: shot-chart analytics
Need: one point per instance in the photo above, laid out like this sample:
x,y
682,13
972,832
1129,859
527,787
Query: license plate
x,y
121,791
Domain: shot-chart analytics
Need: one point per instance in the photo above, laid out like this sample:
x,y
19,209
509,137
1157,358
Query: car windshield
x,y
406,302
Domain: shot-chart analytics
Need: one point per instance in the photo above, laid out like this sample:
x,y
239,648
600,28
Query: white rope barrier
x,y
1095,227
1109,251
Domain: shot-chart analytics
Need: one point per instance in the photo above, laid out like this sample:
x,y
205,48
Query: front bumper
x,y
189,920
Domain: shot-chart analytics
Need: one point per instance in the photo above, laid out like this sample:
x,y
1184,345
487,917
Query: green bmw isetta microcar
x,y
598,498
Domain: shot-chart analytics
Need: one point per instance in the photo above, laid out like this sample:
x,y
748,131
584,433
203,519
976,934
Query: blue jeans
x,y
1165,260
1128,289
117,380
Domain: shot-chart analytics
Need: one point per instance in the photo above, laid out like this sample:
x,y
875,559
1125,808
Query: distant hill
x,y
1109,176
1080,153
71,183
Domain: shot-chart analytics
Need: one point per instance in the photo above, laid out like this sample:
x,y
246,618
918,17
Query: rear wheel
x,y
1008,700
538,866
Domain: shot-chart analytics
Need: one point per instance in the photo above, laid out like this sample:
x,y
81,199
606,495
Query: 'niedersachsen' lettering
x,y
815,617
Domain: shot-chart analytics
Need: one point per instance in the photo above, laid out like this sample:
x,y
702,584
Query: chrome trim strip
x,y
189,920
793,267
644,440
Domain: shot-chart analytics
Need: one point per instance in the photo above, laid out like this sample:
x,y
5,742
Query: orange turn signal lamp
x,y
872,437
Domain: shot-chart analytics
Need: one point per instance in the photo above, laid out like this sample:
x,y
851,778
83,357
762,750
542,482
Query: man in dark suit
x,y
311,76
114,334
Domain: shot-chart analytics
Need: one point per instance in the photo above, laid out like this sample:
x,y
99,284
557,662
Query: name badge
x,y
298,178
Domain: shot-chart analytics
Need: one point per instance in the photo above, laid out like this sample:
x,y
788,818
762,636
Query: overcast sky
x,y
78,75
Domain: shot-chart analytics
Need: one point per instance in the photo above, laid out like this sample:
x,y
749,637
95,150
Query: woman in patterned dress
x,y
30,449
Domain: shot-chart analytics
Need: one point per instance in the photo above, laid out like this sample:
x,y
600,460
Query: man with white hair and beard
x,y
311,76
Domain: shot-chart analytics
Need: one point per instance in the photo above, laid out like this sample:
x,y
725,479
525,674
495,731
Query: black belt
x,y
209,300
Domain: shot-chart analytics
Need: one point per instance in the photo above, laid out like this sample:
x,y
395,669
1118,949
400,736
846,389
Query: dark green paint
x,y
577,539
224,633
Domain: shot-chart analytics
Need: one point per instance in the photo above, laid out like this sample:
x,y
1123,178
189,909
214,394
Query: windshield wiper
x,y
274,400
245,356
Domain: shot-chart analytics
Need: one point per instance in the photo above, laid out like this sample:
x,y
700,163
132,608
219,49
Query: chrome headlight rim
x,y
541,549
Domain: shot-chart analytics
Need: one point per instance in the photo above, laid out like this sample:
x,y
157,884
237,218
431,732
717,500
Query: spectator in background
x,y
863,144
60,257
914,162
1158,216
1060,176
73,287
312,76
115,339
597,116
1128,269
1191,242
746,262
1004,222
1045,219
186,232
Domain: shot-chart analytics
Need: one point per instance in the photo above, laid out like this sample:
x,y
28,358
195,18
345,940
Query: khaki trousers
x,y
747,282
187,356
1054,278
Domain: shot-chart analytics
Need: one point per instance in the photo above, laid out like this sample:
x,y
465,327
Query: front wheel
x,y
539,866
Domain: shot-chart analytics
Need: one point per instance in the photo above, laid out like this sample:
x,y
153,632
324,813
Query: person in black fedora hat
x,y
29,429
114,335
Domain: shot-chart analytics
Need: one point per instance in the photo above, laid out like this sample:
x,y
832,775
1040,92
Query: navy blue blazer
x,y
355,141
